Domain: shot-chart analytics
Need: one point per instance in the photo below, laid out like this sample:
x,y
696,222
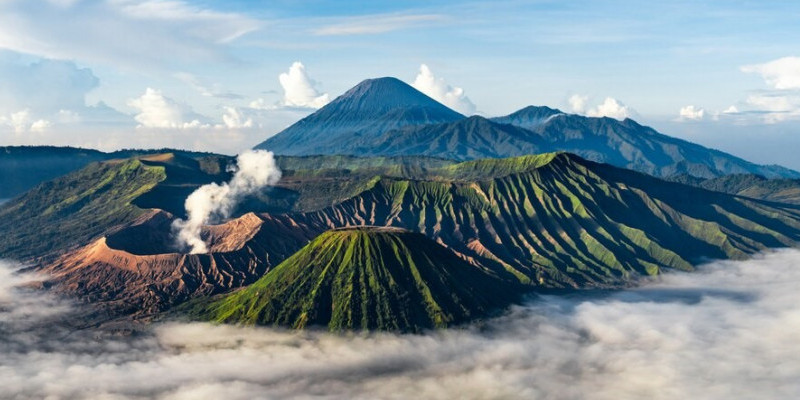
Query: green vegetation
x,y
568,222
71,210
366,278
550,220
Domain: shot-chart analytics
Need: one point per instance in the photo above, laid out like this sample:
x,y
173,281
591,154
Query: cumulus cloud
x,y
22,122
45,86
731,110
127,33
610,107
783,73
299,90
159,111
255,169
234,118
439,90
577,103
729,330
692,113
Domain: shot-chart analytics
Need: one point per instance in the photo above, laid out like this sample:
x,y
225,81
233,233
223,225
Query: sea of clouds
x,y
729,331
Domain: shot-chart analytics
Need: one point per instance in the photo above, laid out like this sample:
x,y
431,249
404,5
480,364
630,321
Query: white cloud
x,y
158,111
731,330
299,90
68,117
261,104
44,86
40,125
692,113
611,108
47,93
23,121
130,33
731,110
577,103
781,74
234,118
775,107
780,102
439,90
374,24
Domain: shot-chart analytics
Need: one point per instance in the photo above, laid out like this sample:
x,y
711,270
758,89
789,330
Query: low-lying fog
x,y
730,331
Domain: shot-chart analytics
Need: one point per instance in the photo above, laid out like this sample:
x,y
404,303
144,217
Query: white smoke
x,y
255,169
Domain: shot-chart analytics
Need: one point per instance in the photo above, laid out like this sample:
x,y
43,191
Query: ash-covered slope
x,y
136,272
368,278
371,108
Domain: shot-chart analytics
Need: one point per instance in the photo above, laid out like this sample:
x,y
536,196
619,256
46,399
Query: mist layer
x,y
729,331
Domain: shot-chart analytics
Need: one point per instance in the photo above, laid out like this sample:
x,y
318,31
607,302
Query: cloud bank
x,y
610,107
781,102
158,111
255,169
730,330
782,74
132,34
691,113
439,90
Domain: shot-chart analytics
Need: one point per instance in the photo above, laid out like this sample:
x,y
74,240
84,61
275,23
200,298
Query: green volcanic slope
x,y
557,220
72,210
24,167
367,278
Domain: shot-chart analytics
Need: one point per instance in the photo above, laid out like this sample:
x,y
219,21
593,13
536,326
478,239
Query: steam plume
x,y
256,169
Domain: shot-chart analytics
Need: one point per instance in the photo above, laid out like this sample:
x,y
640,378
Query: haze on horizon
x,y
224,76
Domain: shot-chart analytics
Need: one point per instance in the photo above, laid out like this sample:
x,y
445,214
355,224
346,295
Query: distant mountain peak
x,y
382,95
530,116
372,107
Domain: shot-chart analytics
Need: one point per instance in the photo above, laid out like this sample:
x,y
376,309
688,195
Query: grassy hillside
x,y
552,220
568,222
71,210
367,278
24,167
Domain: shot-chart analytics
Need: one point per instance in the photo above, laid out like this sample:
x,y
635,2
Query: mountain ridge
x,y
546,221
338,129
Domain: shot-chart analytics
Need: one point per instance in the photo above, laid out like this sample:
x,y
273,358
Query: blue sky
x,y
205,75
